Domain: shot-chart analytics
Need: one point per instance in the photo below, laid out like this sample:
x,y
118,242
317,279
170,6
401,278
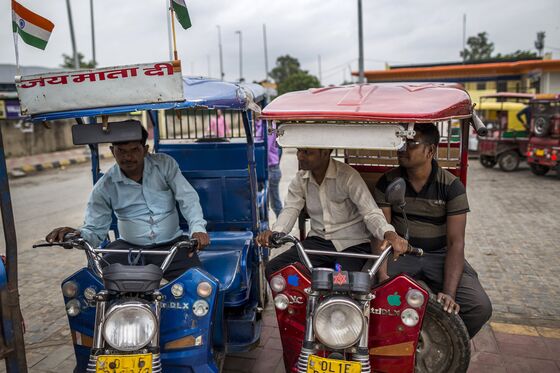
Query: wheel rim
x,y
435,348
508,162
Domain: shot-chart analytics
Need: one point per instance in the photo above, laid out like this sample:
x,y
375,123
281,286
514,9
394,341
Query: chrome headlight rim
x,y
115,309
340,301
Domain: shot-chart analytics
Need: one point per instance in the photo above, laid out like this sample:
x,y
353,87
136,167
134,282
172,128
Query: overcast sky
x,y
396,32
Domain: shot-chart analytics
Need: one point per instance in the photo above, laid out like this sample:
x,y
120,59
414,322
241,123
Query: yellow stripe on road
x,y
538,331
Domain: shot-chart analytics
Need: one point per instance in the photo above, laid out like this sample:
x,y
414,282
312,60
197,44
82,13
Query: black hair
x,y
428,132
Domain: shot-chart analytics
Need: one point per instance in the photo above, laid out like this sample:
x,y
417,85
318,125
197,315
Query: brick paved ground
x,y
512,240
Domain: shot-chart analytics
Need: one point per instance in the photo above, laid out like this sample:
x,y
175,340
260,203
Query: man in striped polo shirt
x,y
436,208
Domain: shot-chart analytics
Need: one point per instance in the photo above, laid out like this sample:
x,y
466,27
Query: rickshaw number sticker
x,y
322,365
394,300
293,280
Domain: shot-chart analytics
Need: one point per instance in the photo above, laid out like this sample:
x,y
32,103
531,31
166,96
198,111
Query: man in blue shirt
x,y
142,190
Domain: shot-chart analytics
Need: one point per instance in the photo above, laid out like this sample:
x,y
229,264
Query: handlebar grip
x,y
414,251
275,238
478,126
191,245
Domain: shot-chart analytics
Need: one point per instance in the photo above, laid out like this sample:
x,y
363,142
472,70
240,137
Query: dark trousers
x,y
475,306
181,262
316,243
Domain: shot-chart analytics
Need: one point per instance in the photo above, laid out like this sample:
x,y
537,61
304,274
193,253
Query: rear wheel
x,y
444,342
538,169
509,161
487,161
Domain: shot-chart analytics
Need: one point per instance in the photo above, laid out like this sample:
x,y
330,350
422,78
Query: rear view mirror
x,y
125,131
395,192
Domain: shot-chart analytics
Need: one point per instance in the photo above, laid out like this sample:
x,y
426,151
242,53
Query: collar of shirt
x,y
117,175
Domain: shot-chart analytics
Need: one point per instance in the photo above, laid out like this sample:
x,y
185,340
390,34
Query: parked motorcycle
x,y
338,321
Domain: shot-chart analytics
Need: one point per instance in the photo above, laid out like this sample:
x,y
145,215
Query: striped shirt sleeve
x,y
379,192
457,202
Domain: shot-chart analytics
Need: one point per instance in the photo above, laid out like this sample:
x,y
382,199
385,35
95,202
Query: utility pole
x,y
92,34
72,37
361,44
221,54
320,70
169,37
240,55
464,36
265,53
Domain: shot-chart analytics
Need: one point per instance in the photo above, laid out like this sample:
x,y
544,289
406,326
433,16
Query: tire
x,y
538,169
542,126
487,161
509,161
444,344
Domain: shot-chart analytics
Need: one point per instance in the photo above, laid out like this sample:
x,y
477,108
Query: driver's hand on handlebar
x,y
400,245
448,303
57,234
263,239
202,238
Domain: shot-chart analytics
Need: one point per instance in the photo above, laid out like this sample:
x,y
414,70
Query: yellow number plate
x,y
321,365
124,363
539,152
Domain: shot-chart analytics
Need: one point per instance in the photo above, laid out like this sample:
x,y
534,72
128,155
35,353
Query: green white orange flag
x,y
180,9
31,27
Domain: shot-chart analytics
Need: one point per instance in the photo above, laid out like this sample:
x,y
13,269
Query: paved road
x,y
513,239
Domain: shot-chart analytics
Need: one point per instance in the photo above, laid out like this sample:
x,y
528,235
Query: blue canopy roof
x,y
199,92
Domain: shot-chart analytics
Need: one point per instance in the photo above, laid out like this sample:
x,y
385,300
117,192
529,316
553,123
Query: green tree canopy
x,y
69,62
479,48
290,77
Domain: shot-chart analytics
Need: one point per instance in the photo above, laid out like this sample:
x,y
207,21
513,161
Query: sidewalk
x,y
21,166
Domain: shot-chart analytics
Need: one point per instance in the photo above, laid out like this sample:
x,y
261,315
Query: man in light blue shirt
x,y
142,190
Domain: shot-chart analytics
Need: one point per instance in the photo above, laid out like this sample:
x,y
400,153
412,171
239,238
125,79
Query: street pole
x,y
221,54
72,37
320,70
265,53
92,33
240,55
464,34
169,36
361,44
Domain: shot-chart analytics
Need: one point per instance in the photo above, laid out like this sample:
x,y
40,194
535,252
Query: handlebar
x,y
277,239
478,126
94,257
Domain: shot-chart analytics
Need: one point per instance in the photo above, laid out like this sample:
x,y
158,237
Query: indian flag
x,y
31,27
182,13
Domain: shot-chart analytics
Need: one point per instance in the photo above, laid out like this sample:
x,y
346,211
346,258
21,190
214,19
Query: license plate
x,y
141,363
322,365
539,153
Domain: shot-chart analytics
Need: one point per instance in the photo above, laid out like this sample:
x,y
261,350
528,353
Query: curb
x,y
33,168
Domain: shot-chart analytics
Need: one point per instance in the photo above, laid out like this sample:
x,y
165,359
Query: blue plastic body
x,y
231,180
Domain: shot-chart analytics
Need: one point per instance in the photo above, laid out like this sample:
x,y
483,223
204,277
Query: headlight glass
x,y
129,327
338,323
73,308
410,317
200,308
281,302
89,293
415,298
177,290
69,289
277,283
204,289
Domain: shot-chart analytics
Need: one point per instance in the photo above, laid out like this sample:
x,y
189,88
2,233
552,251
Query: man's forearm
x,y
453,270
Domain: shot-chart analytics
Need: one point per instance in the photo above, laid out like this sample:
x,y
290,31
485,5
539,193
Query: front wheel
x,y
444,342
539,169
487,161
509,161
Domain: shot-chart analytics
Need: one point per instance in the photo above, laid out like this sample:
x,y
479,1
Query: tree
x,y
299,81
69,62
479,48
517,55
290,77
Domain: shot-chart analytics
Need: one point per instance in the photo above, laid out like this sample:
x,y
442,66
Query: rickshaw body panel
x,y
544,151
392,345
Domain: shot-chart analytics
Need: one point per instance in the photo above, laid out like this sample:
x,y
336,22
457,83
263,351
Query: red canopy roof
x,y
395,102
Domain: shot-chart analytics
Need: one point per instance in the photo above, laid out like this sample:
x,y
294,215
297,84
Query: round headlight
x,y
200,308
281,302
415,298
89,293
204,289
410,317
129,326
177,290
338,323
277,283
69,289
73,308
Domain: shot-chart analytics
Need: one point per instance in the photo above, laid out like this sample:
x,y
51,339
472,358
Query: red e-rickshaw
x,y
394,326
543,150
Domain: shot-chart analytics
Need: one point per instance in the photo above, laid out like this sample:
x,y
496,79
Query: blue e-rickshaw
x,y
228,168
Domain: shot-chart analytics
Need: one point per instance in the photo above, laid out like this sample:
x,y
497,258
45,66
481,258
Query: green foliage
x,y
290,77
518,54
298,81
69,62
479,48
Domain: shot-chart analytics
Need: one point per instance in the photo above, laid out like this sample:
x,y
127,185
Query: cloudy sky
x,y
395,31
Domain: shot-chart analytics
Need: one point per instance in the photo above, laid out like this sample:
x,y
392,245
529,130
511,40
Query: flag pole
x,y
175,55
18,72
